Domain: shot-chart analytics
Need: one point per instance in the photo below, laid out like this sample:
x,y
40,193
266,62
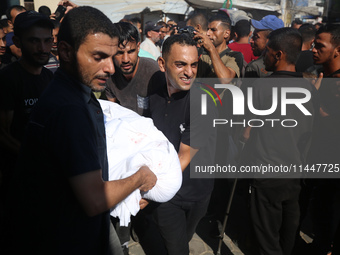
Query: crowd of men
x,y
56,194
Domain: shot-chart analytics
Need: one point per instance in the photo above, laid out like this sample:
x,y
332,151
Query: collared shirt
x,y
65,138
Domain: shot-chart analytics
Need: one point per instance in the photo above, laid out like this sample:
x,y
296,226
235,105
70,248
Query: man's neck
x,y
221,47
29,67
285,67
243,40
306,46
331,67
171,90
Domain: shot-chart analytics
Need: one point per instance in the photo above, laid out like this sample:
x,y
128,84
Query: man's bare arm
x,y
226,74
97,196
185,154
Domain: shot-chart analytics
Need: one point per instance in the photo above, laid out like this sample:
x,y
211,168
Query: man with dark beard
x,y
135,77
23,81
61,179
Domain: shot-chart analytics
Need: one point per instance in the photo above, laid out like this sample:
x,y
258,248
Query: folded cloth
x,y
134,141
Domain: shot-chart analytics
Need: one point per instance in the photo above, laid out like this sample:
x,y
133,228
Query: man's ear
x,y
10,24
337,52
199,28
161,63
138,46
279,55
16,41
65,51
226,34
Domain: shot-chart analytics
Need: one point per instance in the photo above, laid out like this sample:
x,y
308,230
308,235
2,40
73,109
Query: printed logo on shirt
x,y
30,101
142,102
181,128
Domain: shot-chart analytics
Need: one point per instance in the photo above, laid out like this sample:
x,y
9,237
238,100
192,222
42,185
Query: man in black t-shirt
x,y
21,84
274,201
135,77
325,147
23,81
179,118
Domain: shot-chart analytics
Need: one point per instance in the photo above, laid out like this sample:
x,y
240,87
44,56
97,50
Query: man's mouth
x,y
126,67
102,79
186,80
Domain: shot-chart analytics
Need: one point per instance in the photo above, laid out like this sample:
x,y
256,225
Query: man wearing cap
x,y
23,81
258,43
152,36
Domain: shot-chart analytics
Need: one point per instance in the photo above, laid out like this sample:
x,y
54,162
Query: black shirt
x,y
278,145
304,61
64,138
179,118
20,91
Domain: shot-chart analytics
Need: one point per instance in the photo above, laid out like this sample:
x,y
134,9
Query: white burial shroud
x,y
134,141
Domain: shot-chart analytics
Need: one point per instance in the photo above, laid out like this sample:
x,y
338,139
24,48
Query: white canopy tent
x,y
117,9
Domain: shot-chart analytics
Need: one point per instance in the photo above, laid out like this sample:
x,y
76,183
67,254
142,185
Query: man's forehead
x,y
324,36
127,45
182,49
214,23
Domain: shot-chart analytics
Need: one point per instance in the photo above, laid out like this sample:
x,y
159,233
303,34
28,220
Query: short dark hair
x,y
56,23
199,18
242,28
182,39
162,23
136,20
288,40
4,23
126,33
334,30
45,10
16,7
225,20
79,22
307,32
297,21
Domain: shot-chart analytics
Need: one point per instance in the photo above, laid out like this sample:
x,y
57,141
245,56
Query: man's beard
x,y
34,61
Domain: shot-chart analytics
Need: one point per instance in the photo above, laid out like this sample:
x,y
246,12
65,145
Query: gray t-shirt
x,y
134,94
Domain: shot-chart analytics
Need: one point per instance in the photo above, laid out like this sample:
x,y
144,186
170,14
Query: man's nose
x,y
109,66
125,57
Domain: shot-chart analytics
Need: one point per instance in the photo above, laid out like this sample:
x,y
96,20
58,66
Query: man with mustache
x,y
135,77
23,81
